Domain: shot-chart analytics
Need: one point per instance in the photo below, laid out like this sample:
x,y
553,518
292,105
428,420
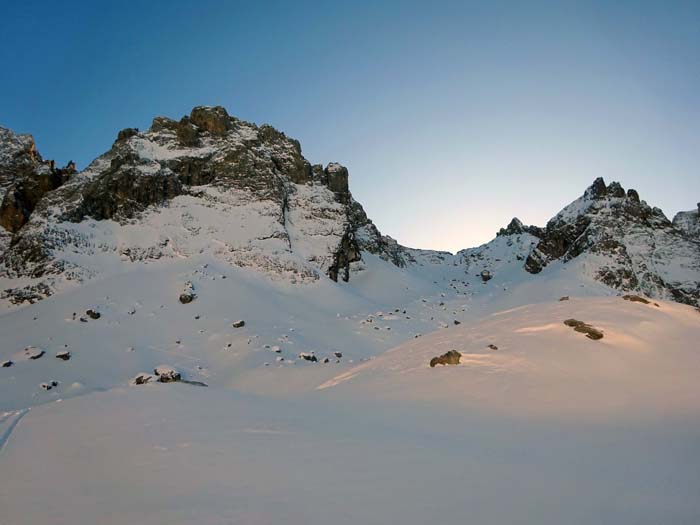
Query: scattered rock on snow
x,y
492,347
450,358
187,295
308,356
564,298
638,299
48,386
337,354
31,352
584,328
167,374
141,379
92,314
486,275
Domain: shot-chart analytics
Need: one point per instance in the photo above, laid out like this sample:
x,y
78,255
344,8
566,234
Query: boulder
x,y
638,299
31,352
7,364
186,297
64,355
450,358
167,374
238,324
584,328
141,379
93,314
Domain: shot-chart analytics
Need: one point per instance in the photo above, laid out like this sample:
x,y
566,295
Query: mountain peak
x,y
628,240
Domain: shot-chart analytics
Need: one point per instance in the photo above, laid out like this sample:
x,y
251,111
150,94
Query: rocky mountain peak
x,y
634,245
516,227
208,183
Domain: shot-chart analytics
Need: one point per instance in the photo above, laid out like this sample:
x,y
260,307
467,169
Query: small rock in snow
x,y
31,352
167,374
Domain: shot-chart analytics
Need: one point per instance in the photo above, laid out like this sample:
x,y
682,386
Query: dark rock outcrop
x,y
449,358
516,227
24,178
584,328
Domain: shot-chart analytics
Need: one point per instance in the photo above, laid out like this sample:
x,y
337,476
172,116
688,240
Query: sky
x,y
452,117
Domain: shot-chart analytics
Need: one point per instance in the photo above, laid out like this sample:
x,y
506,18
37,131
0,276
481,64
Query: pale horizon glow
x,y
452,117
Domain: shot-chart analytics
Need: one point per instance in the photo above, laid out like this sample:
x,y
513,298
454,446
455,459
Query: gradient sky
x,y
452,117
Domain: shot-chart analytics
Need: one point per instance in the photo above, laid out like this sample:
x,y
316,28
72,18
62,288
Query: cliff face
x,y
24,178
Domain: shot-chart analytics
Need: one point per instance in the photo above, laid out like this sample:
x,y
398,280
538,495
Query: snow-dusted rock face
x,y
626,244
207,183
24,178
689,222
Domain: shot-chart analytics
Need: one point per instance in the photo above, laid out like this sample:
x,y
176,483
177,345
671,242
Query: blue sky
x,y
451,116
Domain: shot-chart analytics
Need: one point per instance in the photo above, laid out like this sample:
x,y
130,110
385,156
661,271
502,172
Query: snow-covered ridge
x,y
211,184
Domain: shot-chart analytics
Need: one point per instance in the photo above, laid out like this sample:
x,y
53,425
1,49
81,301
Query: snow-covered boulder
x,y
167,374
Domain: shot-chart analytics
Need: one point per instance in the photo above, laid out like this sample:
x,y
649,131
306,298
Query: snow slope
x,y
550,428
645,366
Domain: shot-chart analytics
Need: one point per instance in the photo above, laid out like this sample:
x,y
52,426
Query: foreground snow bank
x,y
646,364
181,455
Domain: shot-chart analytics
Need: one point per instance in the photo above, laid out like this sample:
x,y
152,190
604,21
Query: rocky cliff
x,y
626,243
206,183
